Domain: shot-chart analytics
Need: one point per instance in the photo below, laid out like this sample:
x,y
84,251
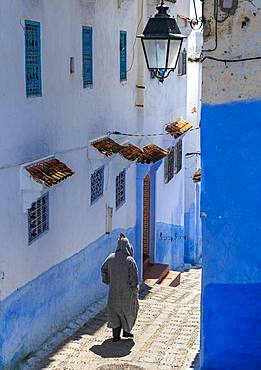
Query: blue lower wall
x,y
232,327
170,245
231,225
44,306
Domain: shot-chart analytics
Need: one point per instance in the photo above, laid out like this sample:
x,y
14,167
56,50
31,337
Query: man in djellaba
x,y
120,272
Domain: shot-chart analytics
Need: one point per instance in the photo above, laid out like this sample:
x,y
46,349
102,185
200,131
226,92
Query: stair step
x,y
171,279
155,273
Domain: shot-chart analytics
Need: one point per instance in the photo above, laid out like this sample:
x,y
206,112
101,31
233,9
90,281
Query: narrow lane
x,y
166,335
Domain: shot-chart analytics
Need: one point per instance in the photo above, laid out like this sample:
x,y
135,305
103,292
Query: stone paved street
x,y
166,335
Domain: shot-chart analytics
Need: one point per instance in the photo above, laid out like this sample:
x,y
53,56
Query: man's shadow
x,y
109,349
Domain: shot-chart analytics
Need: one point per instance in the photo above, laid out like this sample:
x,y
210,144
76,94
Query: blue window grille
x,y
87,56
97,184
123,55
38,218
120,188
33,59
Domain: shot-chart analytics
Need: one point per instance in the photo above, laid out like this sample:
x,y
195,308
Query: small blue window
x,y
120,188
33,59
123,55
87,57
97,184
38,218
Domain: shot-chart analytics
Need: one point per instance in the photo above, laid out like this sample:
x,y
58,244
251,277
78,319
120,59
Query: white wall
x,y
65,118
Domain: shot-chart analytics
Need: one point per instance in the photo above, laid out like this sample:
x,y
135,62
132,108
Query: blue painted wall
x,y
44,306
193,240
170,245
231,203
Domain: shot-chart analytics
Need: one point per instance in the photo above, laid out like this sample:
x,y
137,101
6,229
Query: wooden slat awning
x,y
197,176
130,152
178,128
152,153
107,146
49,172
148,154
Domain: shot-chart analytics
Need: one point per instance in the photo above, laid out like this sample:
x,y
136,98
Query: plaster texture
x,y
230,129
61,123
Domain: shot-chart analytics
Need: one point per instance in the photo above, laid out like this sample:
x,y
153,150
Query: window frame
x,y
123,56
87,51
100,194
122,201
178,157
169,165
31,239
30,23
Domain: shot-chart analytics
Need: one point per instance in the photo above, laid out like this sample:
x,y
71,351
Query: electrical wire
x,y
135,135
216,28
134,44
230,60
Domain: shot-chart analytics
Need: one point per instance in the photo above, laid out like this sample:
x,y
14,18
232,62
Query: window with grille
x,y
169,165
178,156
33,59
123,55
38,218
97,184
182,63
120,188
87,57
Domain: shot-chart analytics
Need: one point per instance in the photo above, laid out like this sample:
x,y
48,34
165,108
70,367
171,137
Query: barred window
x,y
33,59
169,165
38,218
182,63
123,55
178,156
97,184
120,188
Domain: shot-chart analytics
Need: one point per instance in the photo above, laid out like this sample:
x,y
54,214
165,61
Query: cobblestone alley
x,y
166,335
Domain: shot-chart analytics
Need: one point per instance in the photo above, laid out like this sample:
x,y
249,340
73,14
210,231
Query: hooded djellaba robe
x,y
120,272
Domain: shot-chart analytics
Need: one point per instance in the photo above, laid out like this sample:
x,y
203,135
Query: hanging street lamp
x,y
161,41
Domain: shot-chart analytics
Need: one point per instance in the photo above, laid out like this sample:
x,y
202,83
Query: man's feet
x,y
127,335
116,339
116,334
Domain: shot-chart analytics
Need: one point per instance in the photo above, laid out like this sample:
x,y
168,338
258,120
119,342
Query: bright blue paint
x,y
193,239
170,245
43,306
232,327
141,171
231,203
87,56
33,59
123,55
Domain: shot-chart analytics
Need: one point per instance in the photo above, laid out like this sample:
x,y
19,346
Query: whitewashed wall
x,y
66,117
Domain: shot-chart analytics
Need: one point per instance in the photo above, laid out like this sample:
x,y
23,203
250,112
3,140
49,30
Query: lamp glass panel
x,y
174,48
156,51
